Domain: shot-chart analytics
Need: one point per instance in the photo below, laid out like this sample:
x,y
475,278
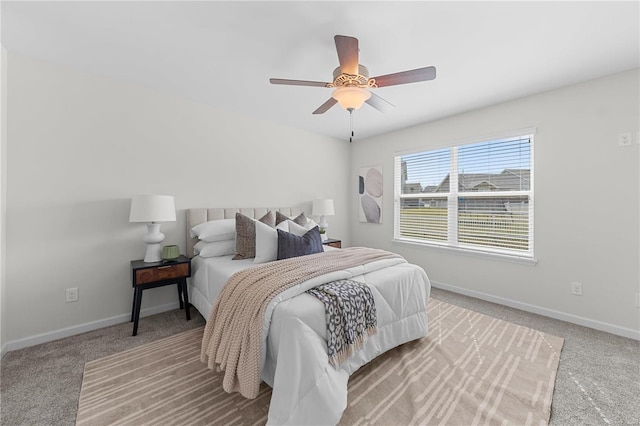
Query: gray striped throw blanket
x,y
351,316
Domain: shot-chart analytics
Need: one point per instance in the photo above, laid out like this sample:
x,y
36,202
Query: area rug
x,y
471,369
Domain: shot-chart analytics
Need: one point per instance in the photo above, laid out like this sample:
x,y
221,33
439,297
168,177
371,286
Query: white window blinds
x,y
476,196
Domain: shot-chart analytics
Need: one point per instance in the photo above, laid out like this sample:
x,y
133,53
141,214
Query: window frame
x,y
452,197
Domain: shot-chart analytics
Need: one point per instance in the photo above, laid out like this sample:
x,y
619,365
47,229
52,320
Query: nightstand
x,y
158,274
333,243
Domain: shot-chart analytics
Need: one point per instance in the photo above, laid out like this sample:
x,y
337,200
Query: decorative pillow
x,y
290,245
215,230
284,225
301,219
214,249
300,230
267,241
246,234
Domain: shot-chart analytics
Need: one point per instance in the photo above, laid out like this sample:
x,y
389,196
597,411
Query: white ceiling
x,y
223,53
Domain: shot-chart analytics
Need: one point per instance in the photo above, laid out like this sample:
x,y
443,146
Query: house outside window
x,y
476,196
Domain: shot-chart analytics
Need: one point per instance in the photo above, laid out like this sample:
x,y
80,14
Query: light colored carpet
x,y
471,369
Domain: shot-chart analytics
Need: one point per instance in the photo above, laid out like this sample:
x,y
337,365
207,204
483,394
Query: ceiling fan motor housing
x,y
360,80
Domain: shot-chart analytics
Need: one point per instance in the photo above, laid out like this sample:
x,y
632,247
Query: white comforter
x,y
306,388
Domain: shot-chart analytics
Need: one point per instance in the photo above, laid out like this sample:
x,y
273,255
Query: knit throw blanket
x,y
351,316
232,340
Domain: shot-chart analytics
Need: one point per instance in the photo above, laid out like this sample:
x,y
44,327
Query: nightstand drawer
x,y
159,273
333,243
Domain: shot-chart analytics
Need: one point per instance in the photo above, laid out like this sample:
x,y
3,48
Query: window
x,y
476,196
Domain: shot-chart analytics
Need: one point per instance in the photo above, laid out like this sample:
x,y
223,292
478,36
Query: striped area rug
x,y
471,369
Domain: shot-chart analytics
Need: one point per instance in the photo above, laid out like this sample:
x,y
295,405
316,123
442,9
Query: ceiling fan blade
x,y
378,103
298,82
325,106
347,48
413,76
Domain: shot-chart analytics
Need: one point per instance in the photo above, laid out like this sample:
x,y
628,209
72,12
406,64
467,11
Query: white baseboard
x,y
563,316
94,325
82,328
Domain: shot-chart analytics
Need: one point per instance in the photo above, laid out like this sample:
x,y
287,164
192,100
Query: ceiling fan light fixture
x,y
351,97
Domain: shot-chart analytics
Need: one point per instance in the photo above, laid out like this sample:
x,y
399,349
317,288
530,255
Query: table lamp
x,y
322,208
153,209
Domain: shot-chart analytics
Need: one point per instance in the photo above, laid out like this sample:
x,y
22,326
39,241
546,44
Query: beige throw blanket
x,y
232,340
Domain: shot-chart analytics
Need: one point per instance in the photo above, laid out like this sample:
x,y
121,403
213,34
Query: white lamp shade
x,y
322,208
152,208
351,97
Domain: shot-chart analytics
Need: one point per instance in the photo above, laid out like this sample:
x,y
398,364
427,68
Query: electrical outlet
x,y
576,289
624,139
71,295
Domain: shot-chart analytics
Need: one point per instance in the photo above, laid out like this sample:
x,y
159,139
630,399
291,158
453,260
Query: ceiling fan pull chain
x,y
351,124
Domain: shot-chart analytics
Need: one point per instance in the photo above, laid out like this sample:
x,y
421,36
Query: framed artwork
x,y
370,194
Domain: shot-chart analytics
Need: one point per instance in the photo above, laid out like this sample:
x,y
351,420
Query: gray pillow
x,y
301,219
246,234
290,245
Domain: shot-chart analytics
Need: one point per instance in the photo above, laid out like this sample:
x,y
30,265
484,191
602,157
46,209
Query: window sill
x,y
474,253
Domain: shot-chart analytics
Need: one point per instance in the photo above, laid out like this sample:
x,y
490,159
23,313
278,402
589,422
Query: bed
x,y
307,389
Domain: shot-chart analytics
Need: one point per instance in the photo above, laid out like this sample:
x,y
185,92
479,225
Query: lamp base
x,y
324,225
153,239
153,254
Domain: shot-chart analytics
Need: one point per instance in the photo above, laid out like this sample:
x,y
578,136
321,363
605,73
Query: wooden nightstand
x,y
157,274
333,243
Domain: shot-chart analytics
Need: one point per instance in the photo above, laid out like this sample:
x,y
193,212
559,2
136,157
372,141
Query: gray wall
x,y
586,204
79,146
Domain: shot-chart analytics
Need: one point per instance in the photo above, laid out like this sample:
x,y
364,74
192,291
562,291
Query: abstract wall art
x,y
370,184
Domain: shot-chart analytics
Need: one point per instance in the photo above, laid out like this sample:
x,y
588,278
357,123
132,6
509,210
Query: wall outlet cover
x,y
624,139
576,289
71,295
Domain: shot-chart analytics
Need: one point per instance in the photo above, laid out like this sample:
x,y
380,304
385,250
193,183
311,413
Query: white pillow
x,y
215,248
284,225
267,240
215,230
300,230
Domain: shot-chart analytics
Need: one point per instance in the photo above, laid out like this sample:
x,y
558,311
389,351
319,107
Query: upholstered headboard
x,y
201,215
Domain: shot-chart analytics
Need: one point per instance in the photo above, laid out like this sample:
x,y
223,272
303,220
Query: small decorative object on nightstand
x,y
333,243
171,252
146,275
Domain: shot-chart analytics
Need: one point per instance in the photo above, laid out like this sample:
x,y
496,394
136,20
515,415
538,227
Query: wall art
x,y
370,185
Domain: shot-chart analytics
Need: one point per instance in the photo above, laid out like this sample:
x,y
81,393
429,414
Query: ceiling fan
x,y
352,83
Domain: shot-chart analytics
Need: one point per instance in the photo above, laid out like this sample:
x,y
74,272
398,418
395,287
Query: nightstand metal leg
x,y
138,300
179,283
133,307
185,294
